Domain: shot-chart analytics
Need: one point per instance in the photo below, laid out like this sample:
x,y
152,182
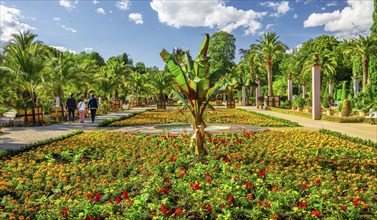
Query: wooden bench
x,y
372,115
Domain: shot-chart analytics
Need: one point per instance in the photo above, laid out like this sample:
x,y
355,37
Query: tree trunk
x,y
269,76
365,72
244,103
251,77
199,126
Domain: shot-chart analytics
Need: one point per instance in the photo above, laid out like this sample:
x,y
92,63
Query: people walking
x,y
93,106
71,106
81,107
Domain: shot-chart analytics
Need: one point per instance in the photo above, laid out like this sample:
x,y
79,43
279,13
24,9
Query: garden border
x,y
108,122
14,152
346,137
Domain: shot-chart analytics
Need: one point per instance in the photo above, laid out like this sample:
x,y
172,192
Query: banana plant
x,y
197,85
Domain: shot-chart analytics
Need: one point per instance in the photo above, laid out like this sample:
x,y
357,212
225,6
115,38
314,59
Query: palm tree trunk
x,y
269,76
251,77
365,71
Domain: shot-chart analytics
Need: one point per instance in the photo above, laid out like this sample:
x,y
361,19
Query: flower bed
x,y
235,116
277,174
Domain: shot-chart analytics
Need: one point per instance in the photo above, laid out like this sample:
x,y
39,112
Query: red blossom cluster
x,y
262,172
195,186
207,207
302,205
316,213
208,177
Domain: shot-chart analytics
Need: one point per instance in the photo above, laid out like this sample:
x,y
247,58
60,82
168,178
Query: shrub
x,y
346,108
299,101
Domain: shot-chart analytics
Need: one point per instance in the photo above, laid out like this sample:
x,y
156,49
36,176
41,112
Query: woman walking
x,y
81,107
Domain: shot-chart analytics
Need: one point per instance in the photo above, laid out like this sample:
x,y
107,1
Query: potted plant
x,y
299,102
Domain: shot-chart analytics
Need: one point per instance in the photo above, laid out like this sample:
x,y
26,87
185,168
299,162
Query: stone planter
x,y
361,113
299,109
309,110
330,112
294,107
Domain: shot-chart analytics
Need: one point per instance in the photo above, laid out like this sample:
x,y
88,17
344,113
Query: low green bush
x,y
346,137
346,108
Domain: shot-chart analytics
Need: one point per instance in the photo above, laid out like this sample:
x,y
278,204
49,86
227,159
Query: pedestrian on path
x,y
71,106
93,106
81,107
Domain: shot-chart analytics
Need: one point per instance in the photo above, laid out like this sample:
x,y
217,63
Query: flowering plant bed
x,y
110,175
235,116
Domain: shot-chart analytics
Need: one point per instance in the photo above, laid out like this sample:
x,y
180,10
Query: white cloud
x,y
123,5
101,11
56,19
334,3
64,49
209,13
95,2
88,49
290,51
110,11
295,16
67,4
69,29
355,19
280,8
269,26
136,17
11,23
323,8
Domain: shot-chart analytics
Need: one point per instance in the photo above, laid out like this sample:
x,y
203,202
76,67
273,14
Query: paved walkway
x,y
361,130
15,137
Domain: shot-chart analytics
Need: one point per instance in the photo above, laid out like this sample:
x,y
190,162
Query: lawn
x,y
110,175
234,116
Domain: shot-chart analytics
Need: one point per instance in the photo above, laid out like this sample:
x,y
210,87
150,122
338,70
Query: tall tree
x,y
363,47
270,48
26,58
253,61
62,73
222,50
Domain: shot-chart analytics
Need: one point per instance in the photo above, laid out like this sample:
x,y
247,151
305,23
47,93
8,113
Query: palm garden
x,y
280,174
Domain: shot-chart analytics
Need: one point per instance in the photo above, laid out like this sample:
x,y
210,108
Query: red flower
x,y
97,197
208,178
167,180
249,185
209,208
343,207
274,188
231,198
195,186
65,211
302,205
260,203
89,218
274,216
161,189
110,201
180,174
117,200
222,205
88,195
316,213
356,201
303,187
178,211
318,181
249,196
125,195
163,208
261,172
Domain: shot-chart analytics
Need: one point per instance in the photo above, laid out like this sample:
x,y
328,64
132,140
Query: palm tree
x,y
26,58
107,82
162,81
62,73
118,69
364,47
270,48
253,60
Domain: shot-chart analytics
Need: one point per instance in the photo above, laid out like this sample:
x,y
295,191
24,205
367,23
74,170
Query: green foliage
x,y
346,137
222,50
344,91
346,108
373,28
366,100
298,101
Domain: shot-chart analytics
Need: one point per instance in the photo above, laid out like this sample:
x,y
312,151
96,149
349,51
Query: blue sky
x,y
142,28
